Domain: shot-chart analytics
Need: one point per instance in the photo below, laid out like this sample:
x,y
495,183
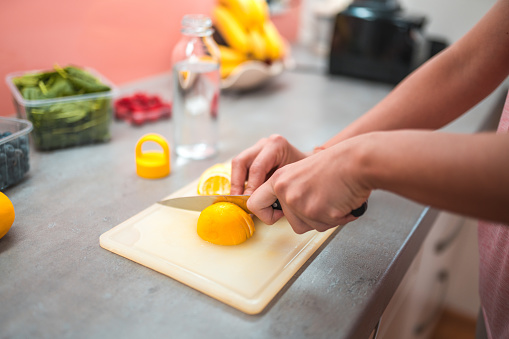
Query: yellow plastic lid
x,y
153,164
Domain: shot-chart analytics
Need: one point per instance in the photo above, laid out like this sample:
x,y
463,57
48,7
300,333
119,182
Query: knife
x,y
200,202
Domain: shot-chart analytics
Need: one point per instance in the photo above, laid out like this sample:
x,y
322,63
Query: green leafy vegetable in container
x,y
68,106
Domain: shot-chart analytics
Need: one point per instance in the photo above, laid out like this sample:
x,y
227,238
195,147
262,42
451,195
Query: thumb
x,y
260,203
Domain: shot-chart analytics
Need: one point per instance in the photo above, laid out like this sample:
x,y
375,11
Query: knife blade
x,y
200,202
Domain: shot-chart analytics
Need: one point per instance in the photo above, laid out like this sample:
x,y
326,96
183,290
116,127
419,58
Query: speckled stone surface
x,y
57,282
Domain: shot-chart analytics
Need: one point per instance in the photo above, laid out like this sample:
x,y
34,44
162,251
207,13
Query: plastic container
x,y
14,150
81,119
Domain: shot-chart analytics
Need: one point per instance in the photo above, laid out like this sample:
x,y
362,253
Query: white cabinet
x,y
419,300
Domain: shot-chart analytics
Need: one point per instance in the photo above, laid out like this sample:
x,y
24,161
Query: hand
x,y
257,163
318,192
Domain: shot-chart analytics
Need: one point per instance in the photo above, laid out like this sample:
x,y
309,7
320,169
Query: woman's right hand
x,y
257,163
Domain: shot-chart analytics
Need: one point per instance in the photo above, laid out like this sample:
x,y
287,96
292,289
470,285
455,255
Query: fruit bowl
x,y
252,73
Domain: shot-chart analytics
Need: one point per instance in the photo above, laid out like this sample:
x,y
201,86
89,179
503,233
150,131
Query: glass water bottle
x,y
196,89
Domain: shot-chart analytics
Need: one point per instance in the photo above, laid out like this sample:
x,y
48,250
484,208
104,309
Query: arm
x,y
435,94
447,85
469,176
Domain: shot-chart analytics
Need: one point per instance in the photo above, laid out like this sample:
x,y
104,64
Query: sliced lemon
x,y
249,228
225,224
216,180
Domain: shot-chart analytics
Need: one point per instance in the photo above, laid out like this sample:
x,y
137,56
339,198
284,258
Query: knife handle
x,y
361,210
356,212
276,205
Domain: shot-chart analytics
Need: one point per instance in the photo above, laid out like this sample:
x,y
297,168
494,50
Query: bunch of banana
x,y
246,33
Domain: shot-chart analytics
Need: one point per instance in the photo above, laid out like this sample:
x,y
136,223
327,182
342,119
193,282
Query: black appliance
x,y
376,40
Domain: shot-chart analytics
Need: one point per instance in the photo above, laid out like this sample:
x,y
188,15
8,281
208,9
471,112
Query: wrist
x,y
365,160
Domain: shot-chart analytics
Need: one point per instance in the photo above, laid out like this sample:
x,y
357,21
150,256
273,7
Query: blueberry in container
x,y
67,106
14,150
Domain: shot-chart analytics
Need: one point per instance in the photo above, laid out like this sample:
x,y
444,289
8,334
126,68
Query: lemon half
x,y
224,223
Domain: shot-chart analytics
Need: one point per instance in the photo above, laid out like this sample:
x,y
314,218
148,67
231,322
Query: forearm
x,y
447,85
469,176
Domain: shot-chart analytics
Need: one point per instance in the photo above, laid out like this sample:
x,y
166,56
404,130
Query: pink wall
x,y
122,39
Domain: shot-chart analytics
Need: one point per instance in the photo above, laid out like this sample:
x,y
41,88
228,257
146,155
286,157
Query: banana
x,y
230,55
250,13
275,44
259,45
230,29
259,13
227,68
247,30
230,59
239,8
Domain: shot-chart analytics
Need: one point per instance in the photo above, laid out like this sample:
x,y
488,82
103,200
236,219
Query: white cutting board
x,y
246,276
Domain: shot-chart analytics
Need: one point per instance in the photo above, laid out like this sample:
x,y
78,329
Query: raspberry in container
x,y
141,108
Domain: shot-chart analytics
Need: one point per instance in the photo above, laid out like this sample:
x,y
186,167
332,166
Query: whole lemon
x,y
6,214
224,223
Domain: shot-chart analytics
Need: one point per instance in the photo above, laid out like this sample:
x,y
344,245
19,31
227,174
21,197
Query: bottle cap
x,y
153,164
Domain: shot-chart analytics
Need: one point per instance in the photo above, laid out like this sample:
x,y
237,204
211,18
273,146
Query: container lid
x,y
153,164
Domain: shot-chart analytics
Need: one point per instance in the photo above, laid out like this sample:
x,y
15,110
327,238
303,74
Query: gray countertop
x,y
57,282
